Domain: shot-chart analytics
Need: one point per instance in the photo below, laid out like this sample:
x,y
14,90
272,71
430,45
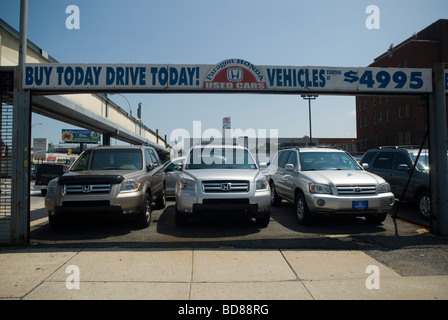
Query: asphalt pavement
x,y
403,262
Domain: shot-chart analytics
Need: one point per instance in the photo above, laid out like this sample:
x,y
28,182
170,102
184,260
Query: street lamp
x,y
130,109
309,97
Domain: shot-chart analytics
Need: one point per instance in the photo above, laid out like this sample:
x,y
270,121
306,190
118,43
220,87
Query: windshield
x,y
327,161
220,158
109,159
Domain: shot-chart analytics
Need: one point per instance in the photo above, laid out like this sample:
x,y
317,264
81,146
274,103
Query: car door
x,y
382,165
172,175
399,176
290,177
157,174
280,180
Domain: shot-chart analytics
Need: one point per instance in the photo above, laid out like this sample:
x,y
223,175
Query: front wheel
x,y
181,218
424,204
144,217
161,200
376,218
263,220
275,199
303,214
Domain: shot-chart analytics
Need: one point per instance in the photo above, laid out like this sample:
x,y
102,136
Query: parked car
x,y
172,172
327,181
45,173
224,178
109,181
394,164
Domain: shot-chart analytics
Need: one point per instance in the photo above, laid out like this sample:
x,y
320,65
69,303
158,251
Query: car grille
x,y
225,186
356,190
86,188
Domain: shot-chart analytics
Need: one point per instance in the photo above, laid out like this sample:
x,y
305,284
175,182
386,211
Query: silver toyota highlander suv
x,y
327,181
108,181
222,177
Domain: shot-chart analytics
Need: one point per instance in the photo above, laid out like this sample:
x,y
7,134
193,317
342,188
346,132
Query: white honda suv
x,y
224,178
327,181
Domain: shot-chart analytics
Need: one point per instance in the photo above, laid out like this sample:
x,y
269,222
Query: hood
x,y
98,176
343,177
222,174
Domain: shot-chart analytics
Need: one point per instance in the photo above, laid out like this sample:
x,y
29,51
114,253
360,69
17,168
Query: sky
x,y
263,32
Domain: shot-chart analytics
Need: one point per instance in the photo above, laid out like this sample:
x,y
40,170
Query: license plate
x,y
360,204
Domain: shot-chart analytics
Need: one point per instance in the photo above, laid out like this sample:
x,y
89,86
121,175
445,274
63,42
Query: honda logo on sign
x,y
234,74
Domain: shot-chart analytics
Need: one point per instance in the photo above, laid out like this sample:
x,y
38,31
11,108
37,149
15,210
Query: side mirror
x,y
150,167
365,166
403,167
289,167
263,165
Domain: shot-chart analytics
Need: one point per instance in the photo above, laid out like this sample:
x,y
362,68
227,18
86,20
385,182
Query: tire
x,y
303,214
55,223
181,218
424,205
161,200
376,218
263,220
275,199
144,217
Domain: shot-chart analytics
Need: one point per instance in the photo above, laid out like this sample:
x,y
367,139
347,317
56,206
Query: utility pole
x,y
309,97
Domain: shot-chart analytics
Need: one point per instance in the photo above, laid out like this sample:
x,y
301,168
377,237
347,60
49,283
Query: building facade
x,y
398,120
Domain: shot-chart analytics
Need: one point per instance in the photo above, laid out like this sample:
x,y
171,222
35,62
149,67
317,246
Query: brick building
x,y
395,120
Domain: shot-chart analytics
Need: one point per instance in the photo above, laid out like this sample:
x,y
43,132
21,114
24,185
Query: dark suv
x,y
394,164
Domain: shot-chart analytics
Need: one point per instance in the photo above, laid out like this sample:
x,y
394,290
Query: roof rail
x,y
410,146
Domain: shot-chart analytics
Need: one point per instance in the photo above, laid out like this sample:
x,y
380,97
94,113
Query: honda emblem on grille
x,y
86,188
226,186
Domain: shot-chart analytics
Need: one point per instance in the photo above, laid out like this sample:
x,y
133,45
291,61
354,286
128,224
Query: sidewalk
x,y
206,274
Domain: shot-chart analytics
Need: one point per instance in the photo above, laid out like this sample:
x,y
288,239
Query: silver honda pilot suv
x,y
327,181
108,181
222,178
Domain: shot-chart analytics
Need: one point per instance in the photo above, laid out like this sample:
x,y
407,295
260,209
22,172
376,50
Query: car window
x,y
292,159
398,159
384,160
154,157
327,161
173,166
283,158
109,159
220,158
367,157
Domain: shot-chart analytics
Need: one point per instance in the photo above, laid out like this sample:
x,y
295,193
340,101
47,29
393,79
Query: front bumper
x,y
112,204
254,203
326,203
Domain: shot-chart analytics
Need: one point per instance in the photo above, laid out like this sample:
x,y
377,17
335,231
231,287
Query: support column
x,y
438,153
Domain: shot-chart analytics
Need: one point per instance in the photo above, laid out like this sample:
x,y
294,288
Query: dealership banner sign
x,y
231,75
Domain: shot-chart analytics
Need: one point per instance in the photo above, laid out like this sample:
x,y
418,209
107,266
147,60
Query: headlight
x,y
130,185
384,187
319,188
187,184
262,183
52,186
